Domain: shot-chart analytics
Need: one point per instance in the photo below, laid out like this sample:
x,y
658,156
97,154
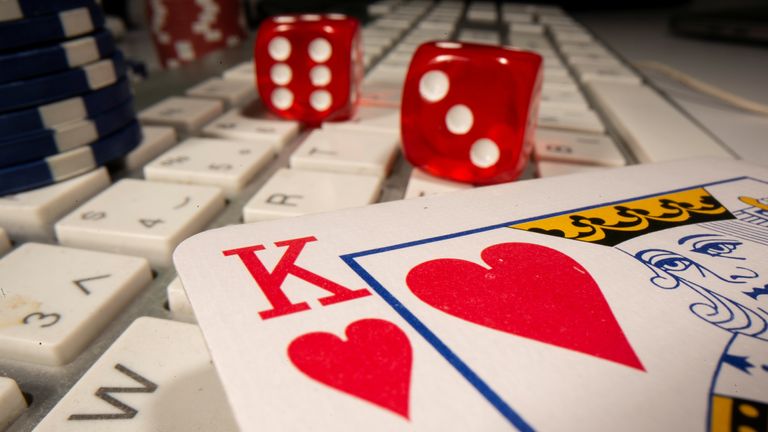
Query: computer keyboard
x,y
97,341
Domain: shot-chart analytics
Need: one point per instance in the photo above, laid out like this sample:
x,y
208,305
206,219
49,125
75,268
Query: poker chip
x,y
54,58
66,105
47,142
49,88
66,24
62,166
65,110
183,32
17,9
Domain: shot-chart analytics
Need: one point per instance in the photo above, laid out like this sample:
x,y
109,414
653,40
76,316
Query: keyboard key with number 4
x,y
143,218
291,192
157,376
49,313
229,165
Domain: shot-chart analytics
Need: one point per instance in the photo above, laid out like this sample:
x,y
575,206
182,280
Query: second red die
x,y
469,111
309,67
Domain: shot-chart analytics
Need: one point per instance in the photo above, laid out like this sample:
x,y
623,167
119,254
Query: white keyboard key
x,y
49,313
552,169
232,92
577,148
581,49
556,80
292,192
245,71
564,98
373,51
594,60
12,402
382,94
577,120
157,376
29,216
481,15
560,85
572,36
422,184
372,119
446,26
557,71
654,130
398,59
391,23
229,165
589,73
525,28
178,302
252,123
555,19
157,139
517,17
5,242
386,74
345,151
546,169
480,36
186,114
144,218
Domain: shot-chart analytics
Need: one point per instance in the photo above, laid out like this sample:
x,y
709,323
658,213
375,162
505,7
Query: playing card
x,y
549,304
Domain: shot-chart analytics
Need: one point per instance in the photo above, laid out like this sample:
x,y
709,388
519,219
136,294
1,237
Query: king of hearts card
x,y
557,304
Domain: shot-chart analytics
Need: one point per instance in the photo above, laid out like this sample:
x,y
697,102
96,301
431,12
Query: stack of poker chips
x,y
184,30
66,107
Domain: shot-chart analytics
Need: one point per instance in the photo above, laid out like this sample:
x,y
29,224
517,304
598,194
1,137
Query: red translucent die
x,y
469,111
309,67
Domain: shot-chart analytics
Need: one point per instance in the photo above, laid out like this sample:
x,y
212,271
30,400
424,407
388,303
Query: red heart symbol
x,y
374,363
531,291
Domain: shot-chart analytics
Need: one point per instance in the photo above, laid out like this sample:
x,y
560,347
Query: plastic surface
x,y
309,67
469,111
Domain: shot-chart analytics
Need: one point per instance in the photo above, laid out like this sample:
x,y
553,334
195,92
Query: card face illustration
x,y
648,311
596,300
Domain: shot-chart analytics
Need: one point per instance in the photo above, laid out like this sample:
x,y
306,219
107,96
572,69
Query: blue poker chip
x,y
65,24
53,169
18,9
43,90
58,57
47,142
66,110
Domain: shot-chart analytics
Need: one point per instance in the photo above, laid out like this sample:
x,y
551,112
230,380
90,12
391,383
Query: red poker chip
x,y
183,32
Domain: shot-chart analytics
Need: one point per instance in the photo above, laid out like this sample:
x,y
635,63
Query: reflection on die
x,y
469,111
309,67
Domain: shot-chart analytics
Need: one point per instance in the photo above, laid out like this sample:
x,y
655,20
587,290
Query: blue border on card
x,y
473,378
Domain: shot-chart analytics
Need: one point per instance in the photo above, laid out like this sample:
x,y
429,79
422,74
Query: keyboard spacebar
x,y
654,130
